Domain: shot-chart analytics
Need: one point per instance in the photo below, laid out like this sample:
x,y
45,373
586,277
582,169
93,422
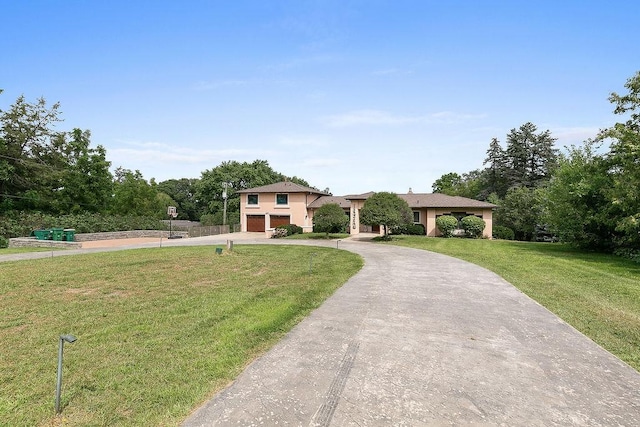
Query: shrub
x,y
279,233
503,233
472,226
330,218
410,230
4,243
290,229
446,224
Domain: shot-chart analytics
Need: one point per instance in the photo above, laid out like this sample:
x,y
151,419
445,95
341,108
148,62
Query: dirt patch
x,y
119,242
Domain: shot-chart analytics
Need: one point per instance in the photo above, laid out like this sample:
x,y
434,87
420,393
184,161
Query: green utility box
x,y
42,234
69,234
57,233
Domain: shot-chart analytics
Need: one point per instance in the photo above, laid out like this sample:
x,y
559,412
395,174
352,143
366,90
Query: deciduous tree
x,y
386,209
330,218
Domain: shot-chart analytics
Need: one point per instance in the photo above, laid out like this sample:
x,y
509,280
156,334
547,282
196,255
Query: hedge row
x,y
22,224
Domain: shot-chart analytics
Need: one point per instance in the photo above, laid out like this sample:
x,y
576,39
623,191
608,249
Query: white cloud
x,y
453,117
377,117
302,141
368,117
164,156
573,135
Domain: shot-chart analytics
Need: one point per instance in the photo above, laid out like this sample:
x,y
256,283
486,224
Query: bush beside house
x,y
447,224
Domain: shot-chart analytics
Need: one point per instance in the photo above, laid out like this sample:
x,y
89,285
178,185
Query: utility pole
x,y
224,196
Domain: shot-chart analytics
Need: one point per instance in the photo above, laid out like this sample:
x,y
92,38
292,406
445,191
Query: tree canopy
x,y
593,199
45,169
330,218
386,209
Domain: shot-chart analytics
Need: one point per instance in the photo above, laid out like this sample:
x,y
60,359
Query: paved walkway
x,y
418,338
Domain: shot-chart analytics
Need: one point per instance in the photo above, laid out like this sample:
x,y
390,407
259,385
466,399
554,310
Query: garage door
x,y
276,220
255,223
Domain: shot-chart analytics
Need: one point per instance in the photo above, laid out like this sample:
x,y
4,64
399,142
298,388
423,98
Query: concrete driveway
x,y
417,338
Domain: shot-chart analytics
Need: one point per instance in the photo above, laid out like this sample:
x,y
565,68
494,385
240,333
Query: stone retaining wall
x,y
32,242
21,242
85,237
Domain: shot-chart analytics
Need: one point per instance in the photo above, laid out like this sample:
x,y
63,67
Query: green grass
x,y
159,330
317,236
11,251
598,294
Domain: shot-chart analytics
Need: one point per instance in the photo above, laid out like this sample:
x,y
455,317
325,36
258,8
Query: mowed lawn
x,y
597,294
159,330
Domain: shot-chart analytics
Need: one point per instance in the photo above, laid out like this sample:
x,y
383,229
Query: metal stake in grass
x,y
68,338
311,262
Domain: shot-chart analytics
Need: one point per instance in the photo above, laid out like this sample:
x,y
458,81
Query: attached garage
x,y
276,220
255,223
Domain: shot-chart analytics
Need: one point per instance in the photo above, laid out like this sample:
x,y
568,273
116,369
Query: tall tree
x,y
521,211
86,184
26,131
470,184
183,191
496,171
576,203
133,195
530,156
449,183
623,164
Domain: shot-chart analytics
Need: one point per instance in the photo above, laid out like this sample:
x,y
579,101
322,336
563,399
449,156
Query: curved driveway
x,y
417,338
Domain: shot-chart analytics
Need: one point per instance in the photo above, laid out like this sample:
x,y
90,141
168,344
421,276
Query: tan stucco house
x,y
264,208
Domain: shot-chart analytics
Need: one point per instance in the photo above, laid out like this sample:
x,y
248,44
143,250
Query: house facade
x,y
264,208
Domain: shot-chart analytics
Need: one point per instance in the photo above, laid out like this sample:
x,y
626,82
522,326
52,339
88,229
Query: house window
x,y
282,199
252,199
416,217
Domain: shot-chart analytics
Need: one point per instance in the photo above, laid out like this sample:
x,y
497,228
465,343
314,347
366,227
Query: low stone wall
x,y
22,242
32,242
86,237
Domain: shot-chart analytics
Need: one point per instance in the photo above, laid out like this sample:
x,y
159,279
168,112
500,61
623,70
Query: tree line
x,y
55,172
588,195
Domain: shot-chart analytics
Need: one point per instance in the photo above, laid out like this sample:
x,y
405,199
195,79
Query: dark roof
x,y
321,201
283,187
432,200
438,200
363,196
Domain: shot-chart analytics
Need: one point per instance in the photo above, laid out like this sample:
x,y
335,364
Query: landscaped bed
x,y
159,330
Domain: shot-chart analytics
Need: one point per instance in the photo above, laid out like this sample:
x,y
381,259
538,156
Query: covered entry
x,y
255,223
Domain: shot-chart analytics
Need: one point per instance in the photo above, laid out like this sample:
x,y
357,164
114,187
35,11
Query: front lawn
x,y
597,294
159,330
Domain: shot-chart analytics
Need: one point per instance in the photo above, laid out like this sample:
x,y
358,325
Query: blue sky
x,y
350,95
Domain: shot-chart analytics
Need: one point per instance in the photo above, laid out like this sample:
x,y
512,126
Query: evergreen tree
x,y
497,169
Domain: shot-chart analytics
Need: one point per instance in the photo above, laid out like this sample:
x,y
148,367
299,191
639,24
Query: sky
x,y
353,96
